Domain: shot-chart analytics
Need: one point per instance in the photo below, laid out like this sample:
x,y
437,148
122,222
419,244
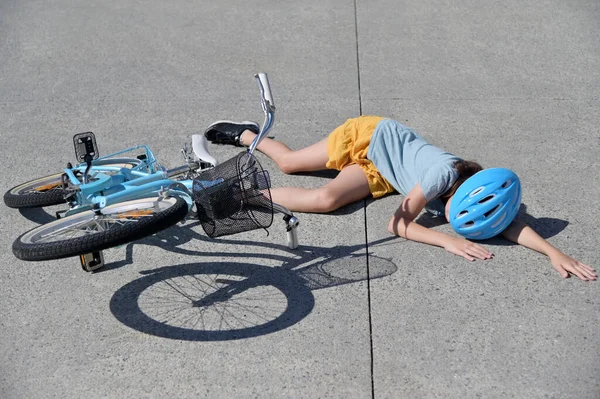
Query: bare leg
x,y
309,159
349,186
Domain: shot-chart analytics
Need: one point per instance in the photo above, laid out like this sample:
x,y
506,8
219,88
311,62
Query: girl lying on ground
x,y
377,156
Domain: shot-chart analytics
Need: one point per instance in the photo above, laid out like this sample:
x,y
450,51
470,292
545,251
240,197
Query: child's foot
x,y
229,132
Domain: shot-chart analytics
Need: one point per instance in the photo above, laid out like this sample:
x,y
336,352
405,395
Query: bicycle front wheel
x,y
91,231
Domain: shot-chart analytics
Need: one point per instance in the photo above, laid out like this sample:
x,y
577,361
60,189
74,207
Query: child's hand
x,y
566,265
467,249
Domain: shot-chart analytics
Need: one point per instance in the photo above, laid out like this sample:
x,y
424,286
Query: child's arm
x,y
402,225
522,234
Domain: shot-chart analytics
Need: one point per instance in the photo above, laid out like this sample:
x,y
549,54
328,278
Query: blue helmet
x,y
486,203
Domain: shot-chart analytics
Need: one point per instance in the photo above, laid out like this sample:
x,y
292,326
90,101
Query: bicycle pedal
x,y
91,261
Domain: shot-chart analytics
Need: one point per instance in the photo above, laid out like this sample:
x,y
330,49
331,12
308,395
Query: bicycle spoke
x,y
44,189
85,227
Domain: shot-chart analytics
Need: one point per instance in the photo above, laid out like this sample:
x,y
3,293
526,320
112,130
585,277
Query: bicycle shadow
x,y
172,238
212,301
225,300
37,215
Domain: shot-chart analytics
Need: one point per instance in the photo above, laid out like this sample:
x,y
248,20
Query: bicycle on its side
x,y
125,196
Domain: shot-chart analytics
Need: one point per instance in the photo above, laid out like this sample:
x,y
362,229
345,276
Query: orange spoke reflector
x,y
137,213
47,187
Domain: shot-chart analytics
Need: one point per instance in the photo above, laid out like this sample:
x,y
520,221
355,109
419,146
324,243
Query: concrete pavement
x,y
511,84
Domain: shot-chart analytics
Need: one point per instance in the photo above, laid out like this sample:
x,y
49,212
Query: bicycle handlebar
x,y
265,87
268,106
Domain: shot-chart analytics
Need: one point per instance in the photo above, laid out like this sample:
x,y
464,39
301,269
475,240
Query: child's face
x,y
447,210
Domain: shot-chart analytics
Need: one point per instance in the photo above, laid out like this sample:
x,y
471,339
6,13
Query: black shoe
x,y
229,132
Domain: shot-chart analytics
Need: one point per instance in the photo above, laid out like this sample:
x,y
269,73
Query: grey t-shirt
x,y
405,159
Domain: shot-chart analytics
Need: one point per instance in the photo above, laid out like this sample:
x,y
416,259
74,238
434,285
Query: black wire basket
x,y
234,197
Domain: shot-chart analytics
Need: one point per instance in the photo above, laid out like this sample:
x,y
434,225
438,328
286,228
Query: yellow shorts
x,y
348,144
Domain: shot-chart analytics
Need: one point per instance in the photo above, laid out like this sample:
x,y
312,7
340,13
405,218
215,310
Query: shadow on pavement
x,y
37,215
235,298
545,227
213,301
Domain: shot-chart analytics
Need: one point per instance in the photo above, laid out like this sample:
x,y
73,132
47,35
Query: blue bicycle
x,y
122,197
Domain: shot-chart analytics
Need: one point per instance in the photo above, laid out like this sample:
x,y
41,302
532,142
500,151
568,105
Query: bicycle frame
x,y
147,178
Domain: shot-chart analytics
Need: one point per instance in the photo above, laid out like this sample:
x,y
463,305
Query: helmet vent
x,y
486,199
506,184
476,191
491,211
469,224
515,198
499,221
462,213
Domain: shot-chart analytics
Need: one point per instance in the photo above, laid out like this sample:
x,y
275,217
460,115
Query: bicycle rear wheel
x,y
45,191
91,231
48,190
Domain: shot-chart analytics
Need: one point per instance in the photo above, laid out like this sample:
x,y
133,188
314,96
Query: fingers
x,y
579,274
470,251
466,256
472,255
581,270
563,272
478,251
587,268
585,271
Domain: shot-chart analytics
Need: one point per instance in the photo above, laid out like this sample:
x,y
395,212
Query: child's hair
x,y
465,170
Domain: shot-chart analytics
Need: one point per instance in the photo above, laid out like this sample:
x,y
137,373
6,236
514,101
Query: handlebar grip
x,y
263,81
268,106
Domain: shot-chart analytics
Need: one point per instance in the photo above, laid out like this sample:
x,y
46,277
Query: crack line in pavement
x,y
365,211
369,299
357,58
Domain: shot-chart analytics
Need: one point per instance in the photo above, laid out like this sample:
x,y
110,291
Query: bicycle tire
x,y
47,190
44,191
111,226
